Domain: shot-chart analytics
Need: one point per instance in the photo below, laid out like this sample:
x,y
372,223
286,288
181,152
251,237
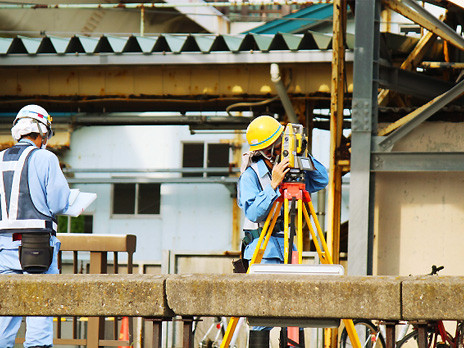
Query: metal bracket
x,y
361,117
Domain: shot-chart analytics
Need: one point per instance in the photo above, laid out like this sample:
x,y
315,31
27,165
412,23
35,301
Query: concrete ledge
x,y
255,295
83,295
292,296
433,298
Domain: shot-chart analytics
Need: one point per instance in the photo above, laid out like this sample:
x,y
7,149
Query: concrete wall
x,y
419,217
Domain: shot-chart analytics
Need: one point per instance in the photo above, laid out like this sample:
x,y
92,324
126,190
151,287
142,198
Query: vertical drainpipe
x,y
282,93
142,20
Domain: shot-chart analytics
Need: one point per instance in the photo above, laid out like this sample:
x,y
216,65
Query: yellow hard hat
x,y
262,132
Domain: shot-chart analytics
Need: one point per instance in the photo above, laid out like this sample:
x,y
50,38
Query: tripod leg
x,y
291,237
326,258
266,232
300,232
286,246
324,253
320,252
257,257
320,233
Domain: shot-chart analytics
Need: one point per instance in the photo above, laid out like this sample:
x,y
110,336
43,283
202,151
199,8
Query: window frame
x,y
136,215
206,144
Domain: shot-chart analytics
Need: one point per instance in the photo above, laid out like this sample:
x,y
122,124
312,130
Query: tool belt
x,y
241,265
35,252
251,235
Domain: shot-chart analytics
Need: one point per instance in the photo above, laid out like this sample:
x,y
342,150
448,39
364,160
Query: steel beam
x,y
140,83
411,83
417,161
442,65
413,11
364,121
412,61
411,121
336,129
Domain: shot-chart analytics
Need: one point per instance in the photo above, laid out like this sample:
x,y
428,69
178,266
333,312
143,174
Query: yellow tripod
x,y
301,204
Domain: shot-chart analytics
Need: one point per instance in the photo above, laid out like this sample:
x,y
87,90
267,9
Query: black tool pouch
x,y
241,265
35,252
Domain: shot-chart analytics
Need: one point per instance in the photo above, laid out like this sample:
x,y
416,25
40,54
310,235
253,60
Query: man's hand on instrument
x,y
278,172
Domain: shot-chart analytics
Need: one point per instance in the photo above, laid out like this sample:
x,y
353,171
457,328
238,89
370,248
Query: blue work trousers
x,y
39,330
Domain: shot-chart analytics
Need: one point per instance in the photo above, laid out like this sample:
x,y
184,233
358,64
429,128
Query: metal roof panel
x,y
31,44
146,44
175,42
296,22
59,43
117,43
205,42
5,43
89,44
323,41
291,40
263,42
233,42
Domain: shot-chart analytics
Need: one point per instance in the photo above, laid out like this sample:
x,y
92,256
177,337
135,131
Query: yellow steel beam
x,y
125,82
442,65
336,127
336,130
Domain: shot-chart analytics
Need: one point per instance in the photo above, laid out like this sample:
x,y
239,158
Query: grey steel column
x,y
364,122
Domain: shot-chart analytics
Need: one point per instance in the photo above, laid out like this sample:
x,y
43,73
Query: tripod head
x,y
294,147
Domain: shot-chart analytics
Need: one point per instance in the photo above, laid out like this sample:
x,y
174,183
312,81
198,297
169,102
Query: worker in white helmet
x,y
33,190
258,189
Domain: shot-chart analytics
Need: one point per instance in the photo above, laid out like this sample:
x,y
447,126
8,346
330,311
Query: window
x,y
193,157
200,155
136,199
80,224
218,157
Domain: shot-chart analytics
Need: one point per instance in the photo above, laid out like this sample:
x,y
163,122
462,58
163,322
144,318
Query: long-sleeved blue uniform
x,y
49,192
256,202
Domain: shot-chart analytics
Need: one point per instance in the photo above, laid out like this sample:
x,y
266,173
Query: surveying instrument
x,y
296,202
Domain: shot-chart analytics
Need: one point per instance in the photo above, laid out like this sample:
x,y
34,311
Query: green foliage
x,y
77,224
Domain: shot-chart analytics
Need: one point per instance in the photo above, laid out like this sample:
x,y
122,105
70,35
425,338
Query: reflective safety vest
x,y
18,213
263,181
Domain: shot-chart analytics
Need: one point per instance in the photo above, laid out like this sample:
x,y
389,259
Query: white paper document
x,y
78,202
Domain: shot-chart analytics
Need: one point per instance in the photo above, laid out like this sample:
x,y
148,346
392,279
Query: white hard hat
x,y
37,113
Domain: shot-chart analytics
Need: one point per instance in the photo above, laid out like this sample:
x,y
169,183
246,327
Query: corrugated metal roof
x,y
296,22
174,43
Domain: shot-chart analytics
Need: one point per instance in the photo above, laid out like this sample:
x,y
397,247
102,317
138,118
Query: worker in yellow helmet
x,y
258,189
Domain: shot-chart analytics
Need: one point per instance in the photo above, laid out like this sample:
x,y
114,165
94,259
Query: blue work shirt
x,y
47,185
256,202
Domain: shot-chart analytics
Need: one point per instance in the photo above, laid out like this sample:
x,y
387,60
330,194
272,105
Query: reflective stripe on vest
x,y
263,181
18,212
